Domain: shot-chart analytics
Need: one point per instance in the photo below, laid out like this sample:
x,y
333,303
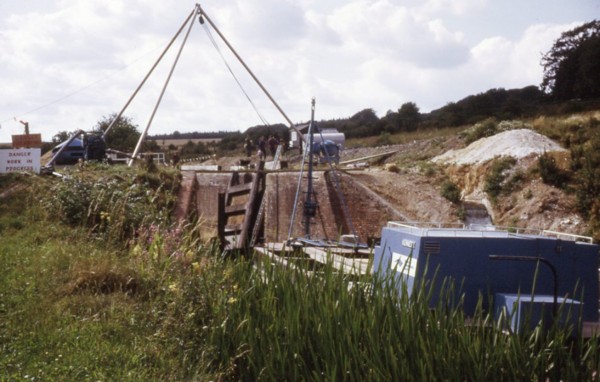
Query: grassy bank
x,y
119,295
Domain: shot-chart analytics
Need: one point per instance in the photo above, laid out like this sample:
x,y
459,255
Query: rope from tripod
x,y
214,43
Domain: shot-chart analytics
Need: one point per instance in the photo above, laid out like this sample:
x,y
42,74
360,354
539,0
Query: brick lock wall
x,y
280,193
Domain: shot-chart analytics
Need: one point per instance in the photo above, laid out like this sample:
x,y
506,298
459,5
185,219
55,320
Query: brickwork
x,y
368,215
207,194
185,197
280,193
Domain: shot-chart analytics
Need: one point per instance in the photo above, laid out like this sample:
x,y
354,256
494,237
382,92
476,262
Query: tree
x,y
409,116
60,137
572,66
124,134
365,117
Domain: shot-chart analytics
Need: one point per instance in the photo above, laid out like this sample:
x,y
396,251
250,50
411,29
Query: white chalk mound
x,y
515,143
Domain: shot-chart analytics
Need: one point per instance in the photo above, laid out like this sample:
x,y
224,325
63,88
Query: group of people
x,y
264,146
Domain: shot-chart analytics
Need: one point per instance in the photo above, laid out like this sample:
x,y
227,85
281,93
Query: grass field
x,y
165,143
95,285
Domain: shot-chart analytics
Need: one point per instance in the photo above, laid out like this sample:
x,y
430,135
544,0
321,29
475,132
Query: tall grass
x,y
168,307
268,323
403,137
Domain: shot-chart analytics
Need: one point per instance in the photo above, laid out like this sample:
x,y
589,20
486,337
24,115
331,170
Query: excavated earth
x,y
406,186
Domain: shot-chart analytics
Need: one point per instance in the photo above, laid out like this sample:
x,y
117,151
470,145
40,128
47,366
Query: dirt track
x,y
414,196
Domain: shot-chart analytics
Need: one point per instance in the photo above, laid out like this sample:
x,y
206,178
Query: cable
x,y
79,90
211,38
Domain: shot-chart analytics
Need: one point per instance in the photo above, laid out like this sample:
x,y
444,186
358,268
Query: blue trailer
x,y
478,261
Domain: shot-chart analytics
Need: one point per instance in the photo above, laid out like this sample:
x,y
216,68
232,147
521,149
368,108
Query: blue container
x,y
412,254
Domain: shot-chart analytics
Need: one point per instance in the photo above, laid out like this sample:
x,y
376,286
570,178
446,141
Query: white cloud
x,y
68,63
514,63
374,28
455,7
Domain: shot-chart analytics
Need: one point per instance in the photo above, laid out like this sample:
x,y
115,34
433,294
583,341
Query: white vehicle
x,y
319,137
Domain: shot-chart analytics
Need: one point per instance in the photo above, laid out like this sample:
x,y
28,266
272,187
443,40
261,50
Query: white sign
x,y
404,264
18,160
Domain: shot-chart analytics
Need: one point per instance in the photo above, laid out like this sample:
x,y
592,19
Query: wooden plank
x,y
347,265
344,264
221,219
201,167
369,157
230,228
236,209
239,189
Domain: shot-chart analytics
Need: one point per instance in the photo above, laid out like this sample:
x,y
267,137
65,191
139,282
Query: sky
x,y
65,65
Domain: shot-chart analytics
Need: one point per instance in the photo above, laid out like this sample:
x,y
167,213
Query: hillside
x,y
411,182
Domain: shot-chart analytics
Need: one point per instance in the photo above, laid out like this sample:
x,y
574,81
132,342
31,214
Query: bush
x,y
451,191
515,181
483,129
113,205
494,180
550,172
384,139
490,127
587,178
512,125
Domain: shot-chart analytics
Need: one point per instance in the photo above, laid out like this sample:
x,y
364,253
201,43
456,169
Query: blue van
x,y
71,154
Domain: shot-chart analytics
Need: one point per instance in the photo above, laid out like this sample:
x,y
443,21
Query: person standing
x,y
248,146
262,148
273,143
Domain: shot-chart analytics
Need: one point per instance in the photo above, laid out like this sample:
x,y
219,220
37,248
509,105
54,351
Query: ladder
x,y
237,207
263,204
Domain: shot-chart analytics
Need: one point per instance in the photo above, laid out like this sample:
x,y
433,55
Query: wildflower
x,y
136,251
105,216
196,266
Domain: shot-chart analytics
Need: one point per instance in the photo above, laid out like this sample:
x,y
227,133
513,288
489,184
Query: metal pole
x,y
143,136
204,15
309,204
114,121
298,188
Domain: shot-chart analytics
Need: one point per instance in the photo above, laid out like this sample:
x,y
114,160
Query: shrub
x,y
113,205
587,178
489,127
494,180
427,168
392,167
451,191
515,181
483,129
513,125
384,139
550,172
